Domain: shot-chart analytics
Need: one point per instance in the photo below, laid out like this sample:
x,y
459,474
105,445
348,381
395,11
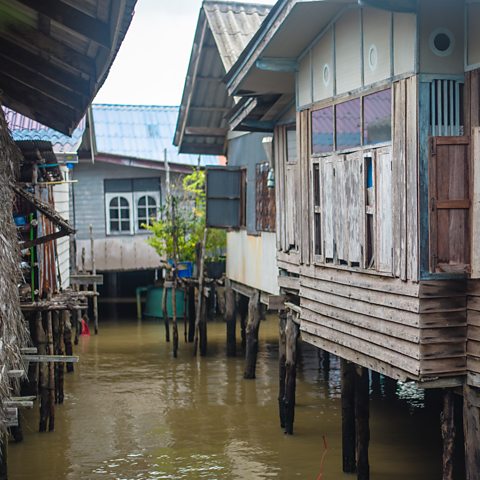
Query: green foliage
x,y
188,223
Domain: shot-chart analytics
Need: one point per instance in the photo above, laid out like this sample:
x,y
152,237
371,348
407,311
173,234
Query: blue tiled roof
x,y
140,131
24,128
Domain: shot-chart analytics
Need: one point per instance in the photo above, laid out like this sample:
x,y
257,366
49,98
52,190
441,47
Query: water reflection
x,y
134,412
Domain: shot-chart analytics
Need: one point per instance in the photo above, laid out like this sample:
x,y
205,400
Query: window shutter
x,y
449,205
224,197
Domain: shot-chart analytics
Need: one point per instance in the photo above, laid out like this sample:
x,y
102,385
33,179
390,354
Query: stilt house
x,y
241,200
377,213
54,58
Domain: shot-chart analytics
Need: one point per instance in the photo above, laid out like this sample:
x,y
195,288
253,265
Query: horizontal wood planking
x,y
388,319
473,335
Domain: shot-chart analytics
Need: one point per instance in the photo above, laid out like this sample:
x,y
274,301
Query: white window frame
x,y
136,197
108,198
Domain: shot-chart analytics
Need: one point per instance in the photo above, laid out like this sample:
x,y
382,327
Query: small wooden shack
x,y
377,183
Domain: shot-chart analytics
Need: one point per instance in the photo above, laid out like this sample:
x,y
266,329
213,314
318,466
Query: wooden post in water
x,y
471,427
390,388
67,337
191,313
349,463
174,316
3,456
165,311
243,312
51,374
448,434
291,339
200,319
58,330
230,319
43,374
251,333
362,427
94,272
281,366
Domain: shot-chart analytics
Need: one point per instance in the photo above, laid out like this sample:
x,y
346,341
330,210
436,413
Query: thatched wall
x,y
13,331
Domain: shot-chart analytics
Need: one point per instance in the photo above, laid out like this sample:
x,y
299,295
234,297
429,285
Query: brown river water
x,y
133,412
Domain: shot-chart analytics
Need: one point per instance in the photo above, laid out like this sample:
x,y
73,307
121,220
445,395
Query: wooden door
x,y
449,179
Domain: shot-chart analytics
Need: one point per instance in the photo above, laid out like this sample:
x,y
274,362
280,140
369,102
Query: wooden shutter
x,y
224,197
384,210
449,177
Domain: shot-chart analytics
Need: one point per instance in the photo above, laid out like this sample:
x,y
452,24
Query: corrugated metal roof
x,y
233,24
23,128
140,131
223,30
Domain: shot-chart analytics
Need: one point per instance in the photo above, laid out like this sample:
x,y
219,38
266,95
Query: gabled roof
x,y
268,62
223,30
139,131
23,128
55,55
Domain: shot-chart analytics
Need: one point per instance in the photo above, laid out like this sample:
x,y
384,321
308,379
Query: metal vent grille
x,y
446,108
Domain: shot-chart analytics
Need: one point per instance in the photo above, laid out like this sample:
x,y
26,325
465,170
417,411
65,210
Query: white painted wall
x,y
251,260
61,196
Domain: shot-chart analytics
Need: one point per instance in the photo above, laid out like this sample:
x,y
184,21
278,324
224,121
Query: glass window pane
x,y
377,117
114,202
114,226
347,123
114,213
151,202
125,226
123,202
291,145
152,213
141,223
142,213
125,213
141,201
322,130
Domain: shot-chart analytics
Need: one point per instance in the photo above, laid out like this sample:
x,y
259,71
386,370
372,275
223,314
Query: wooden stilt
x,y
362,428
281,366
200,318
17,431
291,338
94,272
471,428
191,313
390,388
251,334
185,314
51,373
243,312
43,375
202,329
174,317
60,350
348,416
77,319
3,456
375,383
230,319
448,434
67,337
165,312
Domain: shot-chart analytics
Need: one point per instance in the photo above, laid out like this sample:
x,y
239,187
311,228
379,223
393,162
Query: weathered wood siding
x,y
473,35
404,329
473,341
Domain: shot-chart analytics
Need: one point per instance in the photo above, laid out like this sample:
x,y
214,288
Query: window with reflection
x,y
146,211
347,124
322,130
377,117
119,214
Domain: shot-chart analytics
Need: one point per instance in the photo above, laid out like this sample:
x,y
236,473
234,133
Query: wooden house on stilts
x,y
377,182
54,58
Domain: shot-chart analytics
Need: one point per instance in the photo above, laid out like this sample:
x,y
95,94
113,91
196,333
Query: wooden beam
x,y
206,131
30,78
202,148
85,279
405,6
73,19
50,358
46,209
44,239
31,38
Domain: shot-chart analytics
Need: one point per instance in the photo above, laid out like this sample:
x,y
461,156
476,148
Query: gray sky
x,y
151,65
